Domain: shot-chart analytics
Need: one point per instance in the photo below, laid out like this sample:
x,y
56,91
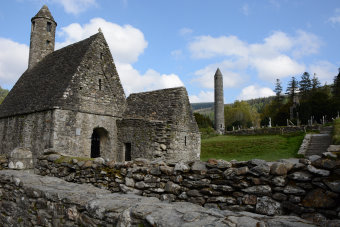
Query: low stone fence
x,y
28,199
308,189
273,130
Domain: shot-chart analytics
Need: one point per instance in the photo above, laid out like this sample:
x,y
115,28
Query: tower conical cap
x,y
218,72
44,12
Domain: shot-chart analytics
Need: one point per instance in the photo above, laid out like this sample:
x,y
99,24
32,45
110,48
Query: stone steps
x,y
319,142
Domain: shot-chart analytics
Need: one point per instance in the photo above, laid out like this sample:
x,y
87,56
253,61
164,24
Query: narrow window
x,y
100,84
101,56
185,140
80,88
127,151
33,25
221,125
48,42
48,26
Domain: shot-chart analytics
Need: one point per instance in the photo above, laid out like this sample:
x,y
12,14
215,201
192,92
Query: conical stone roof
x,y
44,12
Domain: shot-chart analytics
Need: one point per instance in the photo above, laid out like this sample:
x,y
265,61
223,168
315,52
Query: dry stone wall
x,y
273,130
32,131
308,189
31,200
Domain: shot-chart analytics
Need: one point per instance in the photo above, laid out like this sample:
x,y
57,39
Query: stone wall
x,y
273,130
158,140
32,131
308,189
73,131
32,200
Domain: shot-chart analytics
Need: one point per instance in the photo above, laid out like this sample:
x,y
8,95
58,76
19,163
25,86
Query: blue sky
x,y
159,43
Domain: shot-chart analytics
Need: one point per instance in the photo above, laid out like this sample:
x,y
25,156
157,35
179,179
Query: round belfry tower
x,y
42,36
219,102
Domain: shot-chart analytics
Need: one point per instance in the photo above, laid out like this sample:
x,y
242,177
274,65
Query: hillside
x,y
206,107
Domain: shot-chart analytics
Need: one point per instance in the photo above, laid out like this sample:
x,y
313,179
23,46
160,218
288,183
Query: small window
x,y
127,151
100,84
33,25
48,26
101,56
185,140
221,125
48,42
80,88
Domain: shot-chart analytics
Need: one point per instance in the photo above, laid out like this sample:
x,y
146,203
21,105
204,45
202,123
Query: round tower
x,y
219,102
42,36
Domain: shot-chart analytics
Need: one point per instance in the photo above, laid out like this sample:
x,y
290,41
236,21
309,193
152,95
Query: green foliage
x,y
336,132
202,105
267,147
203,121
207,133
305,84
3,94
292,88
240,114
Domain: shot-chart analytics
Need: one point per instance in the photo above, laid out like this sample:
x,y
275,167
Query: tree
x,y
305,83
203,121
278,90
292,88
3,94
240,114
336,86
315,82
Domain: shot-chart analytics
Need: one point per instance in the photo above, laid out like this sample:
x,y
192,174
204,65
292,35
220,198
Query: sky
x,y
159,44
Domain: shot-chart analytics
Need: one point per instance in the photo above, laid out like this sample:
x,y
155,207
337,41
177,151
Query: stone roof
x,y
42,87
171,105
44,12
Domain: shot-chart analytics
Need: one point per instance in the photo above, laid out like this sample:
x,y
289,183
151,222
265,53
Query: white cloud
x,y
278,67
254,91
177,54
276,57
324,70
335,19
13,61
203,96
185,31
76,6
245,9
205,76
126,42
134,82
208,47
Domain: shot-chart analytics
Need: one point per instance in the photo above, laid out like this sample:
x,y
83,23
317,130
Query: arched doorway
x,y
98,139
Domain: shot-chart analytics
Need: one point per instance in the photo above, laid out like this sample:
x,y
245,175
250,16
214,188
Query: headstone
x,y
20,158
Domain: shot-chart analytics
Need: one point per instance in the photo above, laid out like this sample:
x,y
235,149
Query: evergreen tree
x,y
292,88
315,82
305,83
278,91
336,86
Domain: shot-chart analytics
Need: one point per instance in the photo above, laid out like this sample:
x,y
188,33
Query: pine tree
x,y
305,83
336,86
315,82
278,91
292,89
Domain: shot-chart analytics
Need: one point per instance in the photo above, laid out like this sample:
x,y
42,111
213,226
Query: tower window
x,y
33,25
100,84
48,42
48,26
185,140
101,56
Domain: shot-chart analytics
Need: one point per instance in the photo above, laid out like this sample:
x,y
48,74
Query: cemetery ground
x,y
243,148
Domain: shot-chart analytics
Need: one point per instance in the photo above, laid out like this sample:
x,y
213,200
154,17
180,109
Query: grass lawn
x,y
243,148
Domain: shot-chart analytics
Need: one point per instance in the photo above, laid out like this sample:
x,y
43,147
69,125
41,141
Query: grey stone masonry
x,y
219,102
42,36
31,200
308,189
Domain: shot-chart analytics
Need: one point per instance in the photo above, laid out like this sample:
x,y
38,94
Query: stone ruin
x,y
71,101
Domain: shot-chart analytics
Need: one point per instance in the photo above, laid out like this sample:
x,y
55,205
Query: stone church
x,y
72,101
